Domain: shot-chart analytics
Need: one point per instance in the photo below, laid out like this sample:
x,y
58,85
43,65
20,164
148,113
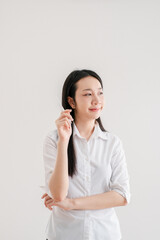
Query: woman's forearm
x,y
99,201
59,181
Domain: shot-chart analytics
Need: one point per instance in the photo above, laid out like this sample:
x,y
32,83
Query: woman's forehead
x,y
88,82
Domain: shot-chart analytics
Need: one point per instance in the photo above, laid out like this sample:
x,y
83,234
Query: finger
x,y
64,122
49,201
50,208
67,110
66,115
51,204
46,200
44,195
48,197
65,119
46,204
67,124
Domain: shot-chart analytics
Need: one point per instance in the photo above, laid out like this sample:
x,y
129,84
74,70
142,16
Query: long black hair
x,y
69,89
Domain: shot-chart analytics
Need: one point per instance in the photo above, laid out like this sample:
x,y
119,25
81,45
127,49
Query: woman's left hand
x,y
66,204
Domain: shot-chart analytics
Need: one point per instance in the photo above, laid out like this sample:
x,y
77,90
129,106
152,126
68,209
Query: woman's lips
x,y
94,109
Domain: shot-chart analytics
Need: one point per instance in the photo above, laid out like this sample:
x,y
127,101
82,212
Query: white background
x,y
41,42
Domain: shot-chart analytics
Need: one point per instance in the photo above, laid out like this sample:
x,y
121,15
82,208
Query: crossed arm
x,y
99,201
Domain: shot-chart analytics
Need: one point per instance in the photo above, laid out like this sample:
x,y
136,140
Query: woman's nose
x,y
96,99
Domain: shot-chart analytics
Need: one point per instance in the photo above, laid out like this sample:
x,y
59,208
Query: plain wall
x,y
41,42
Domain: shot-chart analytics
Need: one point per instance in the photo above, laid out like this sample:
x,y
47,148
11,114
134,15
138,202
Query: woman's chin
x,y
94,116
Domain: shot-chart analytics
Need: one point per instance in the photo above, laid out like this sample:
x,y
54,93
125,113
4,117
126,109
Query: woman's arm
x,y
99,201
59,181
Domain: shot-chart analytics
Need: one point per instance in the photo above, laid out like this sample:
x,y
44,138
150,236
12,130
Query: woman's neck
x,y
85,128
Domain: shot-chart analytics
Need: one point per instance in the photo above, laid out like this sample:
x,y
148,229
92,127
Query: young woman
x,y
86,173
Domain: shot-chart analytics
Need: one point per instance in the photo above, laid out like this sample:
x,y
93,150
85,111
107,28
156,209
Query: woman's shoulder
x,y
113,137
51,136
108,135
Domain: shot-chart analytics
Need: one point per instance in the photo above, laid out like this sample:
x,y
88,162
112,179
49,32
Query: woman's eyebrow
x,y
89,89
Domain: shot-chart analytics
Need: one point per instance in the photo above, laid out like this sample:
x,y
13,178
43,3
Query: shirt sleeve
x,y
49,159
119,180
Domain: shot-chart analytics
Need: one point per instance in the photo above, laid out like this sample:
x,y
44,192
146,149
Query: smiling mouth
x,y
94,109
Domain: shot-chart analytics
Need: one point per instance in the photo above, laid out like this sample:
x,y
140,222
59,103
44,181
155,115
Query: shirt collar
x,y
96,133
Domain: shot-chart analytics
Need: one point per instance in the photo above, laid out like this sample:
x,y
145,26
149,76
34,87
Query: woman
x,y
85,166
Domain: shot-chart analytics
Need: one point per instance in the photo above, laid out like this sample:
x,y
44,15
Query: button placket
x,y
87,220
87,170
87,226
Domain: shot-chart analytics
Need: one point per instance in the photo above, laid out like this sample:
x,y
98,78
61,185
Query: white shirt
x,y
102,167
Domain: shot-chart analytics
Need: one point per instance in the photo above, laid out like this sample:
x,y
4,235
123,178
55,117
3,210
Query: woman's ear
x,y
71,102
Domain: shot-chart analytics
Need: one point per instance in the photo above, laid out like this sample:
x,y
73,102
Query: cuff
x,y
126,195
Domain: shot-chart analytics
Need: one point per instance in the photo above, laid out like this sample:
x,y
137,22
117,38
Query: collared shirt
x,y
102,167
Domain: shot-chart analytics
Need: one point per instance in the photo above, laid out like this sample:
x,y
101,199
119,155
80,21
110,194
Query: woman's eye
x,y
89,94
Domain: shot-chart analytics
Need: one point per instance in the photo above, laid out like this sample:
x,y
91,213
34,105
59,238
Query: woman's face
x,y
89,99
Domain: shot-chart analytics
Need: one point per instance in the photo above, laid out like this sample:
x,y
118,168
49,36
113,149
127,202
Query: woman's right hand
x,y
63,124
47,198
